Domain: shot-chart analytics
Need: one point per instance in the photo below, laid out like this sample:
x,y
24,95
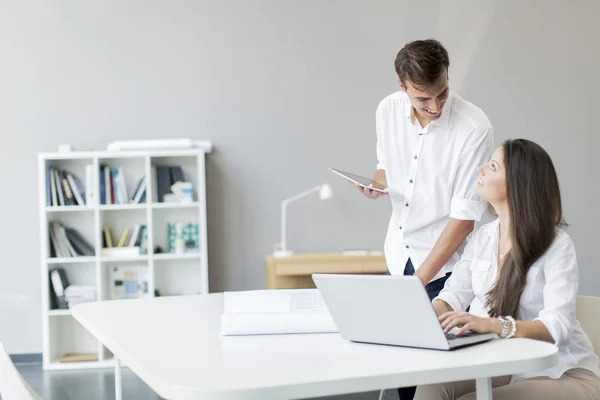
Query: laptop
x,y
385,309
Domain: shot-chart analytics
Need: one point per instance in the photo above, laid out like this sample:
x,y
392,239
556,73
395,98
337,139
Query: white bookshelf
x,y
168,273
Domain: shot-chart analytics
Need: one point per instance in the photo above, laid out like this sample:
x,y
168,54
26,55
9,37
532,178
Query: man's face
x,y
428,102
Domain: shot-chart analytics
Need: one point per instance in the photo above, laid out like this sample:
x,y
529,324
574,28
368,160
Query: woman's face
x,y
491,185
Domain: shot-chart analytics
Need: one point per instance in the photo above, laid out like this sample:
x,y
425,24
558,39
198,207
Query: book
x,y
78,357
282,311
48,187
81,246
58,284
59,189
67,191
53,192
108,237
76,188
163,182
123,238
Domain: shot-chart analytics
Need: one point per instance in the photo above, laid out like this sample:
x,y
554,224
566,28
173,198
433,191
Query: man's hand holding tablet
x,y
371,188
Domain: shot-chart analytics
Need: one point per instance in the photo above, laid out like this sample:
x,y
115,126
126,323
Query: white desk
x,y
174,345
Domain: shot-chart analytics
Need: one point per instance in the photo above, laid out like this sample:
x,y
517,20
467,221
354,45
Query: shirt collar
x,y
443,121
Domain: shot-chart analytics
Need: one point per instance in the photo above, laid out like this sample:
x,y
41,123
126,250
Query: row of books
x,y
64,188
67,242
131,242
113,187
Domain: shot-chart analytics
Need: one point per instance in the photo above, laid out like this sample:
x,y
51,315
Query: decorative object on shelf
x,y
129,282
167,178
183,238
183,191
325,192
65,148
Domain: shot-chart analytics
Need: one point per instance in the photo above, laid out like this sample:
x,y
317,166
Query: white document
x,y
274,312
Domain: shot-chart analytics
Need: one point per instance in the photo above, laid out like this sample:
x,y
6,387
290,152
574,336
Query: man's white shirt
x,y
433,172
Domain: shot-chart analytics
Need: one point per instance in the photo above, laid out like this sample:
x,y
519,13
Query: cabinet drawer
x,y
374,267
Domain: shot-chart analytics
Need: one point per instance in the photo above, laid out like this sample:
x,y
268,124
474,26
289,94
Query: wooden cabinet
x,y
295,271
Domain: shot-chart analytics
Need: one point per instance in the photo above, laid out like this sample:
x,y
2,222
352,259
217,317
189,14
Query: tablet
x,y
361,181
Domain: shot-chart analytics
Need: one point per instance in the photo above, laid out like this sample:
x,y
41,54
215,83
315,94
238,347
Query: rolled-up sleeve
x,y
561,276
380,144
466,205
458,289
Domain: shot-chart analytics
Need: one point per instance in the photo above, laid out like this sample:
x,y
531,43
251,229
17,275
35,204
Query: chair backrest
x,y
12,384
588,313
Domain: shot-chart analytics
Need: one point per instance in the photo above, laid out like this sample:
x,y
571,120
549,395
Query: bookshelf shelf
x,y
58,313
174,205
52,209
114,259
59,366
170,256
121,207
70,260
74,223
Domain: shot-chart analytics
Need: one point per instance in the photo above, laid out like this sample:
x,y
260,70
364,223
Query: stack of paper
x,y
76,294
275,311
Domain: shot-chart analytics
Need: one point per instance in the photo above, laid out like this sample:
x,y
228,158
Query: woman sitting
x,y
523,267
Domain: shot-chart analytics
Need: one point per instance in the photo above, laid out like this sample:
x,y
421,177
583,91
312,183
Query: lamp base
x,y
282,253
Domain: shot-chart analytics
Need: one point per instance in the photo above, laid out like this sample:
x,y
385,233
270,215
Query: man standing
x,y
429,143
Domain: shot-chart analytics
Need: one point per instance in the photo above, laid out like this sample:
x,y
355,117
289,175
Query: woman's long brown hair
x,y
535,210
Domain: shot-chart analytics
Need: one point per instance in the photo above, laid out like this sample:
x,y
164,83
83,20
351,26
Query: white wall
x,y
283,89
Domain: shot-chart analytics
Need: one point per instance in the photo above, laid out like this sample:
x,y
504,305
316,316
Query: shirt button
x,y
400,227
407,246
411,181
415,157
406,204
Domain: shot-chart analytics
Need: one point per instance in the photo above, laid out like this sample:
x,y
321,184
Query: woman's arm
x,y
469,322
531,330
440,307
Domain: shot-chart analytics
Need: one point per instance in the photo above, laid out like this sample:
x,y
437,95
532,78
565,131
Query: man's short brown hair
x,y
422,62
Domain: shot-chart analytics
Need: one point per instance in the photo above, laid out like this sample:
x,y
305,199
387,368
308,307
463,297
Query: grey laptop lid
x,y
385,309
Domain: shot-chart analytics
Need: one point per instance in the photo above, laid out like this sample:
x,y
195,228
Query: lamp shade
x,y
325,191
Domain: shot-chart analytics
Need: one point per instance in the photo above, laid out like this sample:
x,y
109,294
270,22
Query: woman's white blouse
x,y
549,295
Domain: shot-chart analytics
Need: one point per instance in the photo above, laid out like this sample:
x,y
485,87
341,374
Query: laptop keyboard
x,y
451,336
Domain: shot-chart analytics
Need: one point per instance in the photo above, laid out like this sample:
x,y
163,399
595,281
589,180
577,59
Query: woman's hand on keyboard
x,y
467,322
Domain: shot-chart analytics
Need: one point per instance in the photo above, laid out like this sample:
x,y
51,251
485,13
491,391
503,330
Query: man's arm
x,y
455,232
378,176
465,206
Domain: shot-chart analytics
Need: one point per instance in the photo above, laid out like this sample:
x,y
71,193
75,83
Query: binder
x,y
58,284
